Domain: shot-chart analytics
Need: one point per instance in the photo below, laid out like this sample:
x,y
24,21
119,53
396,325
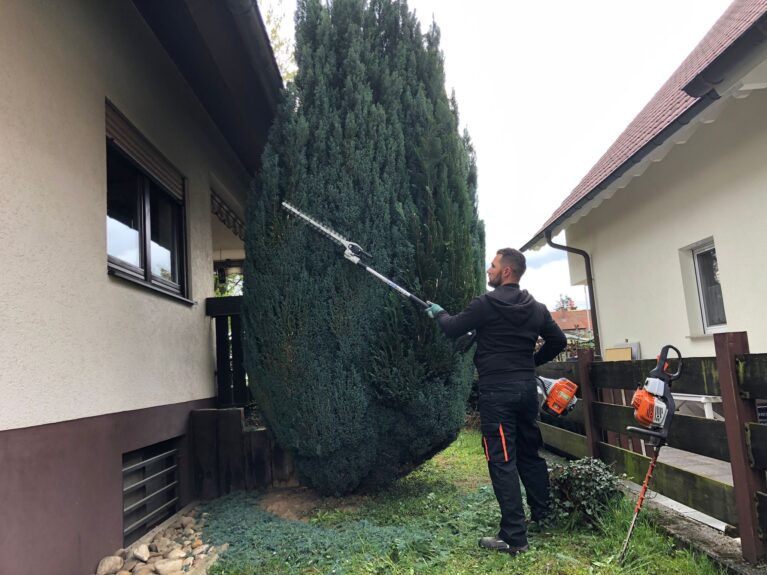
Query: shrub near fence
x,y
738,377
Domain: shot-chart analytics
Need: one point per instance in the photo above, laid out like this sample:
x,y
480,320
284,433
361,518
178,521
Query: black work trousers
x,y
511,440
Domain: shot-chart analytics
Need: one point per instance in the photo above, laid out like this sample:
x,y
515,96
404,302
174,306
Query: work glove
x,y
434,310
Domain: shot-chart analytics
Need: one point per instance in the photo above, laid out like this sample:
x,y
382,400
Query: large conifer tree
x,y
355,382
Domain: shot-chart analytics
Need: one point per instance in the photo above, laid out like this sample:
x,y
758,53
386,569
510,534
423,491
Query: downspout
x,y
589,284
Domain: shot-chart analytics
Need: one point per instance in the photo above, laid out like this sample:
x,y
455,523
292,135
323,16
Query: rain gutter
x,y
255,37
589,284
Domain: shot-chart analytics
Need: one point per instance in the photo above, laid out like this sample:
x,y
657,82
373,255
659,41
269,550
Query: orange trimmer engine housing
x,y
648,411
560,396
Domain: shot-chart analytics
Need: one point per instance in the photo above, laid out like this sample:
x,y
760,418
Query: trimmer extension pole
x,y
392,285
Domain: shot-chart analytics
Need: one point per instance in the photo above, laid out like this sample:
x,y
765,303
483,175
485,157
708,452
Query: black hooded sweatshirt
x,y
508,322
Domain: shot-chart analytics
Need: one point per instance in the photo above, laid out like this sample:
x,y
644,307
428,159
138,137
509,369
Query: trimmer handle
x,y
659,370
657,438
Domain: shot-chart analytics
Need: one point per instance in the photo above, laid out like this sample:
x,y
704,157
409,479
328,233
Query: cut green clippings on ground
x,y
428,523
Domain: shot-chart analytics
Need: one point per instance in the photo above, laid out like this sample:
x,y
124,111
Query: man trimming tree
x,y
508,322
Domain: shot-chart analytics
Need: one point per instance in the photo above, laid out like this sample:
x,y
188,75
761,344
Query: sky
x,y
544,88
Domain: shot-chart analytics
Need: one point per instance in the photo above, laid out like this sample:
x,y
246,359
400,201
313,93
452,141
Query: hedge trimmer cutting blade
x,y
353,249
353,252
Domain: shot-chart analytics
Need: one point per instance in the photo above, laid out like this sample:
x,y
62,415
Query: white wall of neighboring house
x,y
76,342
713,186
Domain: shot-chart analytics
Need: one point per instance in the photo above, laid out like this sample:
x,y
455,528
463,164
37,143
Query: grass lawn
x,y
429,523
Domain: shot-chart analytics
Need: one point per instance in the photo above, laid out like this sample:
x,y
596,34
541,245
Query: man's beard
x,y
493,283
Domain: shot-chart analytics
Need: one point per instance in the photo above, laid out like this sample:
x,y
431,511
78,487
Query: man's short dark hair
x,y
514,259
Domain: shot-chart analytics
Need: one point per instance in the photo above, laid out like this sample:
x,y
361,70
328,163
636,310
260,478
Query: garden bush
x,y
582,490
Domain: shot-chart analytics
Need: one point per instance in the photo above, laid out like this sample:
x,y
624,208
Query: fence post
x,y
203,429
231,450
240,394
737,412
593,434
223,362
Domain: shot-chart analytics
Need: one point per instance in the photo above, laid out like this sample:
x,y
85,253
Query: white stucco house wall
x,y
124,125
673,214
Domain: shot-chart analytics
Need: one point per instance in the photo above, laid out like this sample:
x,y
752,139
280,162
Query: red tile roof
x,y
668,103
572,319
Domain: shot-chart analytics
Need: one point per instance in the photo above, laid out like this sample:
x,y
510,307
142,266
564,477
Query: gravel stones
x,y
175,549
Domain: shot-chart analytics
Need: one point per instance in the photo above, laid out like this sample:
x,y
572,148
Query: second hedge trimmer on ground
x,y
558,395
354,253
653,409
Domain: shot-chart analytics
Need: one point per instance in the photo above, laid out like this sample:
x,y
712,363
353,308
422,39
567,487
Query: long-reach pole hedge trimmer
x,y
654,409
354,253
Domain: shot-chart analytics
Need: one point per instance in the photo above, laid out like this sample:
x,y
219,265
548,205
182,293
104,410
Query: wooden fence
x,y
228,456
738,377
231,380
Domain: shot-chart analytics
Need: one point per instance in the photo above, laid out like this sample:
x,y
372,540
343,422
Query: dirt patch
x,y
467,485
300,503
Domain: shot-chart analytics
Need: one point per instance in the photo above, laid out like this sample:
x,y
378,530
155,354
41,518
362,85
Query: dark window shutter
x,y
129,140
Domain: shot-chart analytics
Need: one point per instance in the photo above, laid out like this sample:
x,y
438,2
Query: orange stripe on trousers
x,y
487,453
503,442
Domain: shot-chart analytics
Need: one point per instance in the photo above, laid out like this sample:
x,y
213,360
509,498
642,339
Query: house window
x,y
709,288
145,211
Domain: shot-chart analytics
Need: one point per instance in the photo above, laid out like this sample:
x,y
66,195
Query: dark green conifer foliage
x,y
355,382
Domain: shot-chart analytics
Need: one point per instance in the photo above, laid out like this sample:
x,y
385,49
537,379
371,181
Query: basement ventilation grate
x,y
150,488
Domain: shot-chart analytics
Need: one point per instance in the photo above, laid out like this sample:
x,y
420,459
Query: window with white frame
x,y
709,288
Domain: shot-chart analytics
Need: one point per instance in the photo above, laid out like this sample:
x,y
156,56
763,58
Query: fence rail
x,y
737,376
752,375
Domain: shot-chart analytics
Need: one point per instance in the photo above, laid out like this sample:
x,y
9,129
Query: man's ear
x,y
511,275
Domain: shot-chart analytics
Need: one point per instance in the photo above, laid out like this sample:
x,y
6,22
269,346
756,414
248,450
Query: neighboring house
x,y
576,323
672,215
130,133
573,321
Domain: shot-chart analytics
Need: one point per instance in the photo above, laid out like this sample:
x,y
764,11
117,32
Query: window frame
x,y
143,275
696,251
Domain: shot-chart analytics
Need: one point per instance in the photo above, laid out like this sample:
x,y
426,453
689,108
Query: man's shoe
x,y
497,544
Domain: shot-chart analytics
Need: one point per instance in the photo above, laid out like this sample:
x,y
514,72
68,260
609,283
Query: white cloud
x,y
548,281
544,256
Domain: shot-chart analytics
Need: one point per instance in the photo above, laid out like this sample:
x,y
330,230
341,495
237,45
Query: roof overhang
x,y
654,151
223,51
738,70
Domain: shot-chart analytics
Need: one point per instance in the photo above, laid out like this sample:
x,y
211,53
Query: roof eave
x,y
223,51
730,62
708,86
662,137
